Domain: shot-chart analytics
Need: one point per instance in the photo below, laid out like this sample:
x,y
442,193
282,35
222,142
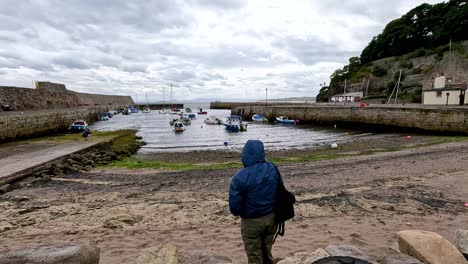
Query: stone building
x,y
50,86
348,97
444,92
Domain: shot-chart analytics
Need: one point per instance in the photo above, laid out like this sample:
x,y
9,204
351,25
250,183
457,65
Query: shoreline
x,y
231,158
357,200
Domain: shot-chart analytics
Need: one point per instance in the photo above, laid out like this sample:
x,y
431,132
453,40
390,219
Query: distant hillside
x,y
417,43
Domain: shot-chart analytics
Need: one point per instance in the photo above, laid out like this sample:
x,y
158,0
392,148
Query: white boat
x,y
184,121
213,120
178,126
285,120
164,111
146,111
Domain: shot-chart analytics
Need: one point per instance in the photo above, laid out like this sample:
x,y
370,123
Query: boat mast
x,y
172,99
344,95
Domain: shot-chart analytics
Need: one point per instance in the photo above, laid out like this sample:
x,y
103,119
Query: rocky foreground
x,y
361,201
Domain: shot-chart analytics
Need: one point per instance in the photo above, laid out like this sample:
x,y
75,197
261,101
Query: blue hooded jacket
x,y
253,189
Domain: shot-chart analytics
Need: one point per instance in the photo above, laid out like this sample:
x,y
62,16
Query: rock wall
x,y
100,99
230,105
454,120
16,126
33,99
26,98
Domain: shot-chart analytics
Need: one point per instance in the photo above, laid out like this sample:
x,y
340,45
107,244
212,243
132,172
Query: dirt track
x,y
360,200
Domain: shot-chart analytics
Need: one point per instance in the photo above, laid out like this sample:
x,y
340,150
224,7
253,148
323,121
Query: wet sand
x,y
361,200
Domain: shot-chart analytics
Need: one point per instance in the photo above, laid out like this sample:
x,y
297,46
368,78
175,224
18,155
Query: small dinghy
x,y
213,120
259,118
179,126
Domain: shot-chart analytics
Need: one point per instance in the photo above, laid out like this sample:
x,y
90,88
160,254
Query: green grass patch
x,y
319,155
134,163
128,135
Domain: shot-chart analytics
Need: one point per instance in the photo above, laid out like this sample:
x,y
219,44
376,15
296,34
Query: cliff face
x,y
417,72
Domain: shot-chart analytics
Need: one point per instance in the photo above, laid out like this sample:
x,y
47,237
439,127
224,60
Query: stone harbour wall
x,y
26,98
17,126
452,120
33,99
101,99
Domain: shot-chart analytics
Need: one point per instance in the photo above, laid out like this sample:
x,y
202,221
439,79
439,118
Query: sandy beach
x,y
360,200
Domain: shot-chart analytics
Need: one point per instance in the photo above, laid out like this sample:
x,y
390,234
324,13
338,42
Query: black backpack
x,y
284,205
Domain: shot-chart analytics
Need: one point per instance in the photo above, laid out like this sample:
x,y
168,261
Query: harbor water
x,y
159,136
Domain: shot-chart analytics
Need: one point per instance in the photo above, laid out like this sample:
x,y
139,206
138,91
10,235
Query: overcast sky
x,y
206,48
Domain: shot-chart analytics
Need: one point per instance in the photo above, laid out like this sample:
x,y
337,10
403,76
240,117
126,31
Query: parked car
x,y
108,114
8,107
78,126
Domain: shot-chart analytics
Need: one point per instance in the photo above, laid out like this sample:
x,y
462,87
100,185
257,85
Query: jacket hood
x,y
253,153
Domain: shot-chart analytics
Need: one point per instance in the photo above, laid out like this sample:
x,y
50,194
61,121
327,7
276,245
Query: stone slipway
x,y
27,156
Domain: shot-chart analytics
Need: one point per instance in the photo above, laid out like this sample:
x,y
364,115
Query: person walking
x,y
86,133
252,196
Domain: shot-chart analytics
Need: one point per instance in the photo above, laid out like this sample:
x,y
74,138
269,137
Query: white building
x,y
348,97
444,92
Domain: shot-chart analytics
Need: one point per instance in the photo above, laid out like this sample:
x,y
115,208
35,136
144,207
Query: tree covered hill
x,y
424,31
426,26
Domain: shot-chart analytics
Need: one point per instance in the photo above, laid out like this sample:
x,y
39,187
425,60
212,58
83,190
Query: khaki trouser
x,y
258,235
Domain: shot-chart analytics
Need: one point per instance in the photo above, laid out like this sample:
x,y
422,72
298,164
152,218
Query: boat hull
x,y
236,128
77,129
287,122
259,118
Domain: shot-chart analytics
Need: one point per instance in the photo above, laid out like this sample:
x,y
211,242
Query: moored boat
x,y
259,118
213,120
201,112
104,118
185,121
235,124
189,116
133,109
286,120
179,126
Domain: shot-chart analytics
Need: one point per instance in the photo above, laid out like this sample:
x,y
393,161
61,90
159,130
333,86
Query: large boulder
x,y
340,260
53,254
402,259
346,251
429,247
167,254
461,240
305,257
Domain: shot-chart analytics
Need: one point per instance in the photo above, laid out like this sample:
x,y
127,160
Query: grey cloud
x,y
125,46
71,62
220,4
311,51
